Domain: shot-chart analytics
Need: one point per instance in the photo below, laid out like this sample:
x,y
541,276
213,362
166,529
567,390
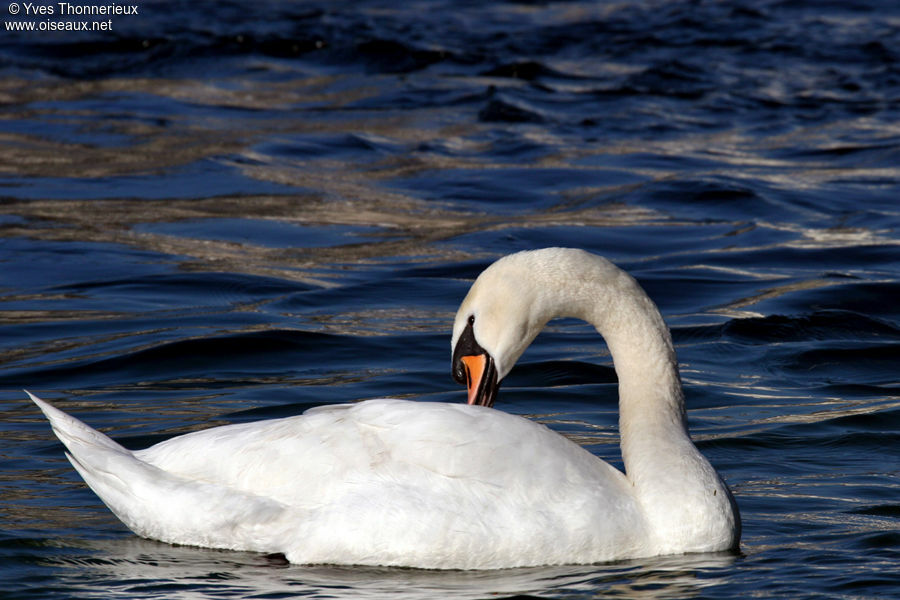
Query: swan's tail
x,y
78,438
160,505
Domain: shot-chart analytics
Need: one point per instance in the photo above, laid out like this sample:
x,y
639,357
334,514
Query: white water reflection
x,y
133,567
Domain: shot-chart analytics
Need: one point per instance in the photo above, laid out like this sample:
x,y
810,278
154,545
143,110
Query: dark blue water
x,y
222,212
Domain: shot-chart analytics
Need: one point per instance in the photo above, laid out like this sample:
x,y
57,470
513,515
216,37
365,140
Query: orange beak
x,y
475,367
481,379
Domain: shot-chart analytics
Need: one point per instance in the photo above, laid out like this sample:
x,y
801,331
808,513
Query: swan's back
x,y
459,486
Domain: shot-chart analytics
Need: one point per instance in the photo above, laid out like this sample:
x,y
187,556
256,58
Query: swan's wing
x,y
298,460
482,483
304,460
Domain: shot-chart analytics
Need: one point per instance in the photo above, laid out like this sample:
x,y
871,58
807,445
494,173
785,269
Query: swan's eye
x,y
471,319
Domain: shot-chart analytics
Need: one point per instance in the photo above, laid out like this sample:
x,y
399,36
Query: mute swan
x,y
449,486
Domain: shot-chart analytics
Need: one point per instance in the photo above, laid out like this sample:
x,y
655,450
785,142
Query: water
x,y
222,212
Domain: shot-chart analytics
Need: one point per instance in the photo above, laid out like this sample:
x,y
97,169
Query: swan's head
x,y
505,309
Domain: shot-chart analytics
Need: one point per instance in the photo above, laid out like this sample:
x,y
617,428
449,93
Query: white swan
x,y
391,482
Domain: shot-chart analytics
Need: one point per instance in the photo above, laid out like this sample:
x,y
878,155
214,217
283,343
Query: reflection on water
x,y
131,566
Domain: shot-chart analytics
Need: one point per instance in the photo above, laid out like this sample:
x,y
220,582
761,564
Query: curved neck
x,y
652,417
673,481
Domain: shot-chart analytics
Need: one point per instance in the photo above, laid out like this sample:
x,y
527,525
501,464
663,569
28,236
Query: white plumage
x,y
392,482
